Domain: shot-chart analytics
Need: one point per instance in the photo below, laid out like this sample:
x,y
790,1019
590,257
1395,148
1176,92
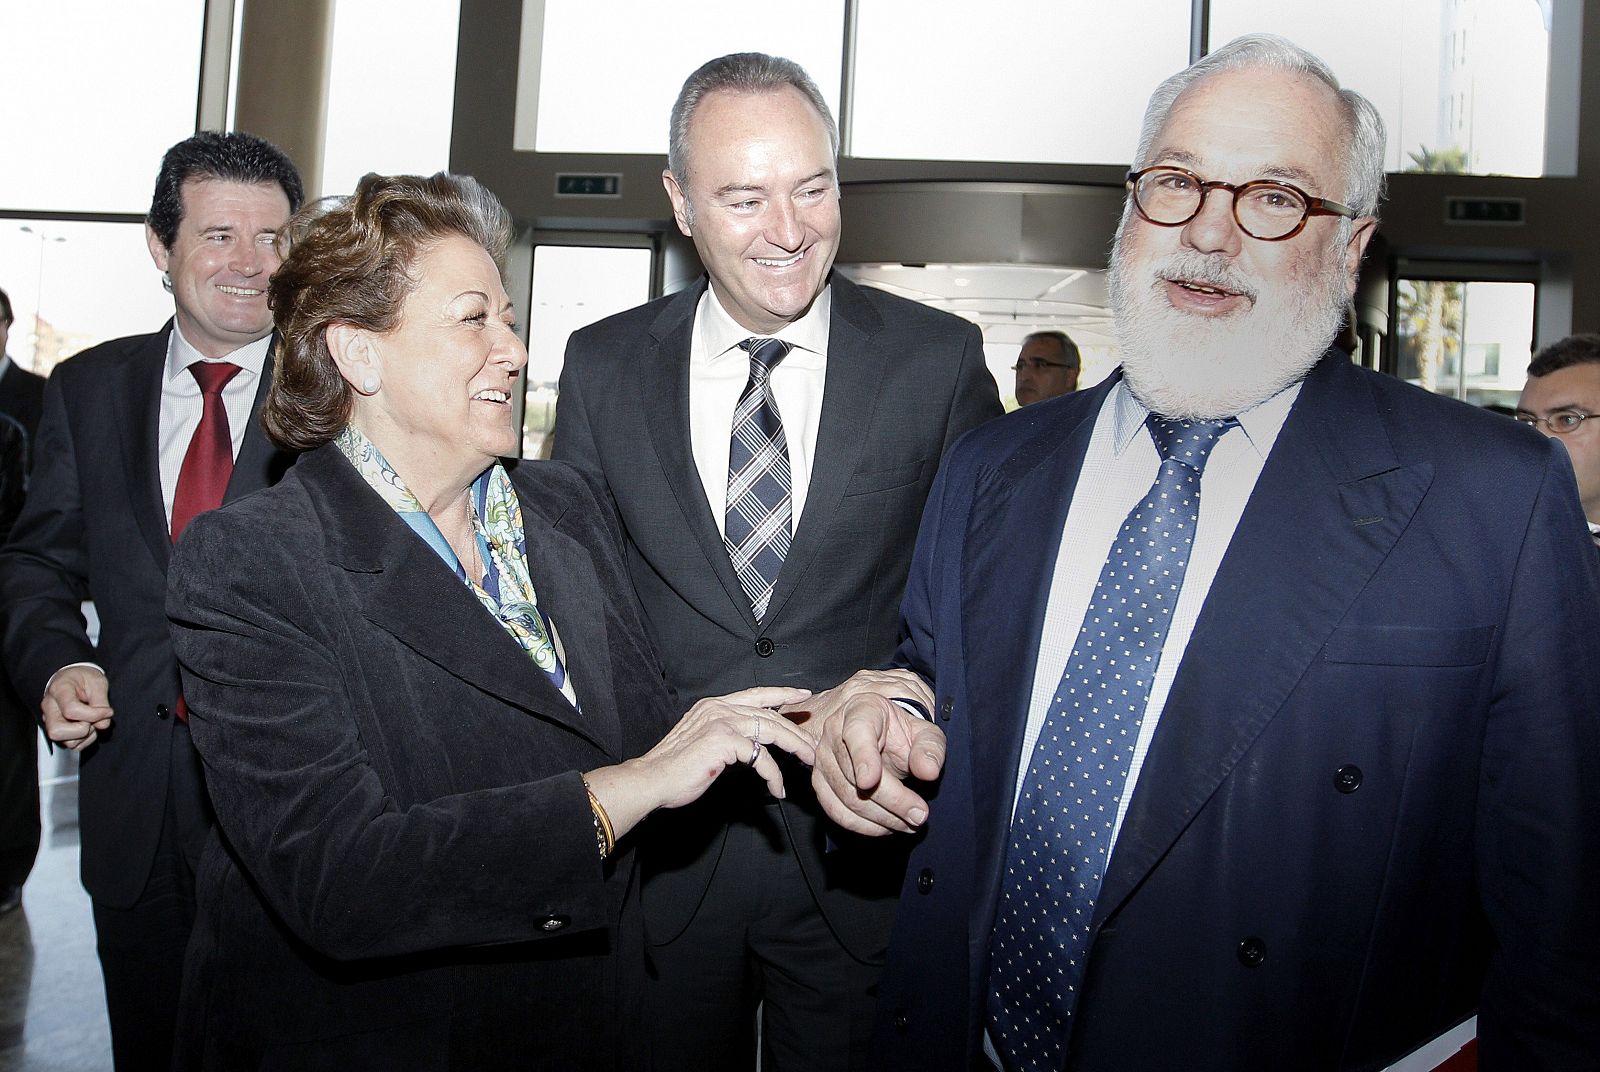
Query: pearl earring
x,y
369,386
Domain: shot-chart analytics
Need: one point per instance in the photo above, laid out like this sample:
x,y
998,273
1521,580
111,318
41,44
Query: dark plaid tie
x,y
757,522
1061,831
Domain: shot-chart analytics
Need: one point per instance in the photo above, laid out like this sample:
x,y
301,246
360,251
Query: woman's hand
x,y
717,733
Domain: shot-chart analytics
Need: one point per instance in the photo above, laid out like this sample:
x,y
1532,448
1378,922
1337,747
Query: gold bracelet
x,y
605,840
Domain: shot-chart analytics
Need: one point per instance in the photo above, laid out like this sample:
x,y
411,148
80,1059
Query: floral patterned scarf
x,y
505,589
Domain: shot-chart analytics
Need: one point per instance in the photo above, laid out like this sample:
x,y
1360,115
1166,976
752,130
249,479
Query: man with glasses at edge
x,y
1047,366
1289,763
1560,397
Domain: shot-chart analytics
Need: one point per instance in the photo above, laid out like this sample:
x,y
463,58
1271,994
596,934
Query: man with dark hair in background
x,y
1047,366
21,398
768,437
1562,400
19,774
138,435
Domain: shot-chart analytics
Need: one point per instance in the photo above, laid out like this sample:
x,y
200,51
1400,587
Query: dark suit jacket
x,y
1372,803
22,397
94,528
902,382
405,873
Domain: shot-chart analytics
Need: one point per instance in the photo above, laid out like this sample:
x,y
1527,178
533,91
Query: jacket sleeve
x,y
976,397
349,869
1539,801
44,568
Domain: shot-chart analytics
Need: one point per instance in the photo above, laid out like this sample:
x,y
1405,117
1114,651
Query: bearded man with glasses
x,y
1266,716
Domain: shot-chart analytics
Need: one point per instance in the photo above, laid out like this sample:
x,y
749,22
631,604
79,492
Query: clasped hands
x,y
867,746
860,744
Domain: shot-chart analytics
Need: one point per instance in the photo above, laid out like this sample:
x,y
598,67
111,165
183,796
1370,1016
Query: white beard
x,y
1207,368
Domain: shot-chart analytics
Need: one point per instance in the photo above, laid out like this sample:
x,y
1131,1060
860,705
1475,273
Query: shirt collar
x,y
181,354
5,363
807,337
1261,422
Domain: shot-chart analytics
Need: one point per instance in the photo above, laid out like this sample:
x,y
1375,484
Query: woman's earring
x,y
369,386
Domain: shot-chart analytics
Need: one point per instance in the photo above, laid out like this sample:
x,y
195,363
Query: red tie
x,y
209,460
208,463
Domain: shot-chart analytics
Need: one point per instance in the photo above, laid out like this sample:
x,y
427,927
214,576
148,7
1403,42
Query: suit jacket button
x,y
551,924
1347,779
765,647
1252,951
162,712
944,709
901,1021
925,881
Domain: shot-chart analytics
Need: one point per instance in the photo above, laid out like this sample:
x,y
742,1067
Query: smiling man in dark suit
x,y
767,438
138,435
1290,763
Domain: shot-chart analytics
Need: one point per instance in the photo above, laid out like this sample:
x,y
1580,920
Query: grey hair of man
x,y
738,72
1069,349
1367,137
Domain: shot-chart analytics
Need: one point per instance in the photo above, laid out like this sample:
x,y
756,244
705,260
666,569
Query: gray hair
x,y
1069,349
1364,178
740,72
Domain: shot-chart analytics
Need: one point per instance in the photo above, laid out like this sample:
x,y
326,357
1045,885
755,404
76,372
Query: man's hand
x,y
76,706
868,747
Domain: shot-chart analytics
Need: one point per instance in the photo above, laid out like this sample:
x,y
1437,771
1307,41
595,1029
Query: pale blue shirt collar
x,y
5,364
181,354
1261,423
807,337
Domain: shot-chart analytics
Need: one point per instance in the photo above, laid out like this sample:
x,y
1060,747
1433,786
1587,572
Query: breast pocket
x,y
1403,645
866,483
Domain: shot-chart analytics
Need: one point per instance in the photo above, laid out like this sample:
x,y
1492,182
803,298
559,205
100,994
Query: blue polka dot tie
x,y
1061,830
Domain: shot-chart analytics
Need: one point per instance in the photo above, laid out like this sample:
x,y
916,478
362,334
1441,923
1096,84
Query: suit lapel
x,y
567,586
405,589
257,465
1328,508
1006,579
850,388
664,399
136,402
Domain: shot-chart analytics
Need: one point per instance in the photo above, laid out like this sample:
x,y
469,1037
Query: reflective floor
x,y
52,1007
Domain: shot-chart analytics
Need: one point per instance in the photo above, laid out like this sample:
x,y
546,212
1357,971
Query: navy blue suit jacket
x,y
1372,804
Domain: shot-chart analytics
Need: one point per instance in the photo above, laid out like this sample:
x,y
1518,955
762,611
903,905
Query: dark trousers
x,y
758,938
142,947
19,789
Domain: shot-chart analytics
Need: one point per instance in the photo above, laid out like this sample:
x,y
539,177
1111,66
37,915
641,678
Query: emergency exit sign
x,y
1498,211
589,185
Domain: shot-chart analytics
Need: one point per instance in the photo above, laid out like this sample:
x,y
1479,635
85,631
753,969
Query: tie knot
x,y
764,356
213,376
1186,441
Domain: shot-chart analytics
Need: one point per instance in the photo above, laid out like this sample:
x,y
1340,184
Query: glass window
x,y
1467,340
1009,302
939,80
46,264
391,89
95,93
621,105
1449,104
573,286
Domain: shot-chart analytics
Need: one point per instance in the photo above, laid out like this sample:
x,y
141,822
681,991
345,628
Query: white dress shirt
x,y
718,372
1118,468
182,404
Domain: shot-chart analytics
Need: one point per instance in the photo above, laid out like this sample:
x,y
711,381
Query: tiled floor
x,y
49,976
